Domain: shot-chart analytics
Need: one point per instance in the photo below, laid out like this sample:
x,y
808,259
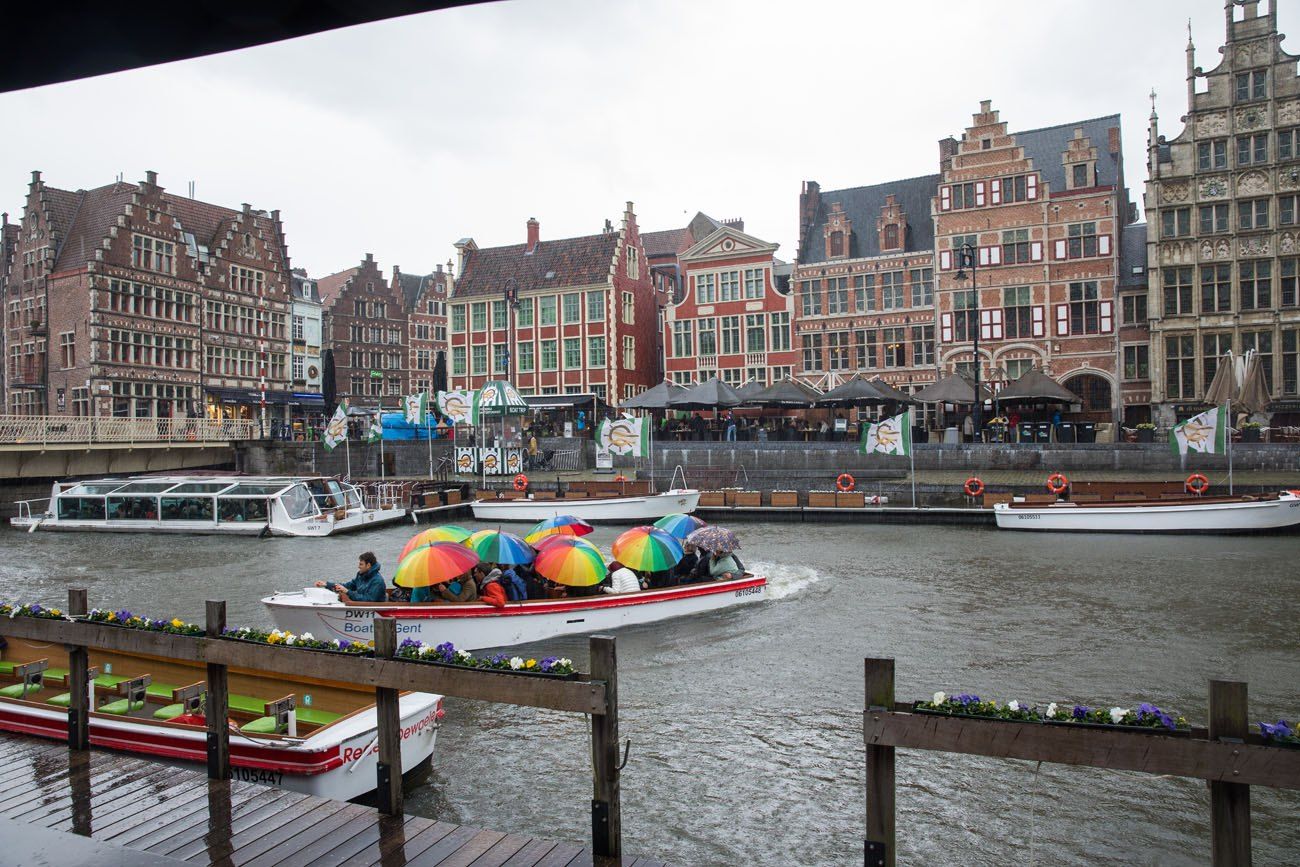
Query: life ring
x,y
973,487
1057,483
521,482
620,478
845,483
1196,484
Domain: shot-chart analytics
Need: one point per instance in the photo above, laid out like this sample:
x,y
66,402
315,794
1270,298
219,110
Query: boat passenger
x,y
490,589
684,571
514,586
421,594
623,580
461,589
367,586
723,566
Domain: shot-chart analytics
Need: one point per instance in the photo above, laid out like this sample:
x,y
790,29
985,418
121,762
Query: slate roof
x,y
862,206
411,284
669,242
1046,145
1133,251
329,286
568,262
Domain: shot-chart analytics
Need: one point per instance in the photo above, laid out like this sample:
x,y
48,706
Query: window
x,y
478,354
1082,240
458,318
478,316
499,319
1084,308
423,359
1288,143
1212,154
500,358
1288,270
836,244
837,350
1262,343
864,292
810,294
1137,363
572,353
1252,149
922,345
1178,291
1214,347
629,353
705,289
1176,223
153,254
1014,189
683,344
1290,362
1252,85
1015,247
1252,214
963,315
629,308
754,282
891,237
755,332
297,367
1286,210
780,324
891,290
299,327
246,279
68,348
963,196
524,313
865,344
1079,176
1134,309
526,359
812,351
708,336
1214,218
595,306
1216,288
730,335
837,295
458,361
596,352
550,355
1180,367
959,243
895,347
729,286
922,280
547,310
1017,312
1256,284
633,264
572,308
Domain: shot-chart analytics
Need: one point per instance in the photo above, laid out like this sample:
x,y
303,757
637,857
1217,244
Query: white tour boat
x,y
212,504
330,749
643,509
1248,514
476,625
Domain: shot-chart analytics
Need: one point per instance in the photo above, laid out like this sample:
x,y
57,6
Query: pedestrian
x,y
731,427
968,428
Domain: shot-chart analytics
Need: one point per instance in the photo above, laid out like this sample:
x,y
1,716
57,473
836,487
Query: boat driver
x,y
367,586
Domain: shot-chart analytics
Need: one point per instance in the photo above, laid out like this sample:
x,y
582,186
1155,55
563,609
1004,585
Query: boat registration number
x,y
257,775
749,591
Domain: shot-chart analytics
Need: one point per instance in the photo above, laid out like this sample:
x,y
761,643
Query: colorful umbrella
x,y
444,533
570,561
433,564
560,525
647,549
714,539
493,546
679,526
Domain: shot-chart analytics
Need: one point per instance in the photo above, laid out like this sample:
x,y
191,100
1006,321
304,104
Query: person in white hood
x,y
623,580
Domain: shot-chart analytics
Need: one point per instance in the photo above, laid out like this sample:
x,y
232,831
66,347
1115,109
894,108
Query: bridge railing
x,y
46,429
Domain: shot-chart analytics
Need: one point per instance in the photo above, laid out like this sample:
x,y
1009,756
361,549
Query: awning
x,y
563,401
252,396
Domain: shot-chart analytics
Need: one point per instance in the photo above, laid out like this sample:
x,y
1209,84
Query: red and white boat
x,y
332,753
476,625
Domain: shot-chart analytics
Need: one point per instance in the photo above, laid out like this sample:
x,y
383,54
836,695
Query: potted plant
x,y
1250,431
1146,432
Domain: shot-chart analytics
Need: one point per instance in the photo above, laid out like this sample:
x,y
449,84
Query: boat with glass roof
x,y
213,504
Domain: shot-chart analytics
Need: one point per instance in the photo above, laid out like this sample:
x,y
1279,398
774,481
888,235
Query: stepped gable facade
x,y
364,321
425,299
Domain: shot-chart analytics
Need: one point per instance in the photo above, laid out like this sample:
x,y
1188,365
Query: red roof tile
x,y
669,242
331,285
96,210
552,265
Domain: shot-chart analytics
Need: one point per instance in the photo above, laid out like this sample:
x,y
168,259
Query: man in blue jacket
x,y
368,586
516,589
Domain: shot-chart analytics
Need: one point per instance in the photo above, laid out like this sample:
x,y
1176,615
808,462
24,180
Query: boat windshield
x,y
298,502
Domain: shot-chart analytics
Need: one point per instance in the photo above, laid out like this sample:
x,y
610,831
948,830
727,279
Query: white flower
x,y
290,638
464,655
275,633
338,643
564,660
1013,706
939,698
1051,711
1117,715
306,636
516,662
427,650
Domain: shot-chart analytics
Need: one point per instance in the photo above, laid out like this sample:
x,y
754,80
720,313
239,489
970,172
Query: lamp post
x,y
511,294
966,259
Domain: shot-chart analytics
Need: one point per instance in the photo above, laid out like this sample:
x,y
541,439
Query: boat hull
x,y
474,626
596,510
1261,516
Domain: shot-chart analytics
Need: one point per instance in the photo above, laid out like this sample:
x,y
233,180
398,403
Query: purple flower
x,y
1080,711
966,699
36,608
408,642
123,615
1280,730
548,663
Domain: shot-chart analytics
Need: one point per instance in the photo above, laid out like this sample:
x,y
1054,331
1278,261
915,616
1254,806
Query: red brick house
x,y
364,321
425,299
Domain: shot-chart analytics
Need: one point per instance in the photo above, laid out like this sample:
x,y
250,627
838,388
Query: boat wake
x,y
785,580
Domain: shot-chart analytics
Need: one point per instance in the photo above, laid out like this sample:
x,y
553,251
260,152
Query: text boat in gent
x,y
1248,514
331,750
476,625
212,504
645,508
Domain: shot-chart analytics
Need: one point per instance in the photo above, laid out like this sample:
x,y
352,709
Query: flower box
x,y
543,495
848,500
749,498
729,496
431,500
452,497
712,498
785,498
821,499
1111,727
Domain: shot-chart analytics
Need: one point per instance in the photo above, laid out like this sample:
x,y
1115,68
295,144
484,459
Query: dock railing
x,y
56,429
1226,755
594,694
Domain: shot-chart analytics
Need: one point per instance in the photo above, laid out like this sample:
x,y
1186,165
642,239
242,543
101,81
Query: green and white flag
x,y
416,407
337,430
376,428
1207,433
892,436
626,436
456,405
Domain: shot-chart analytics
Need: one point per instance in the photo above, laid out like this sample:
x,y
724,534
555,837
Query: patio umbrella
x,y
787,392
1033,385
656,397
950,389
856,392
1254,396
560,525
749,389
647,549
679,526
570,561
494,546
890,392
710,394
714,539
434,564
443,533
1223,387
499,397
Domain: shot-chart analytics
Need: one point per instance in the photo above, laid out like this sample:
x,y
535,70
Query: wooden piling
x,y
606,807
879,846
1229,802
218,705
388,716
79,704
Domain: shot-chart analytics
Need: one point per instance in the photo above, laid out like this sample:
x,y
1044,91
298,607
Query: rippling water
x,y
746,724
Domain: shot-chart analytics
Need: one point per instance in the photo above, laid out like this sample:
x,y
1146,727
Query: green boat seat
x,y
316,717
261,726
108,681
6,667
61,700
159,690
16,690
247,704
121,707
169,711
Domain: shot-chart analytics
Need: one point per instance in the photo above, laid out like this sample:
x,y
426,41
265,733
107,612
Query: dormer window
x,y
889,240
837,233
836,244
1079,174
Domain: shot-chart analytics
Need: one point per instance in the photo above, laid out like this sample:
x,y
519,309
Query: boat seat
x,y
32,675
261,726
121,707
60,700
159,690
134,691
6,667
170,711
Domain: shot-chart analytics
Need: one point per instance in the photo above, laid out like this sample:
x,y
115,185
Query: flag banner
x,y
1206,433
456,405
416,408
376,428
892,436
626,436
337,430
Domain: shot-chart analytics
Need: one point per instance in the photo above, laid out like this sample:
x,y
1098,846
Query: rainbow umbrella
x,y
444,533
494,546
570,561
647,549
679,526
560,525
433,564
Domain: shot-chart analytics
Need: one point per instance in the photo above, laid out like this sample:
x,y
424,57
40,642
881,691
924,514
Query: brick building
x,y
1134,327
364,321
1222,203
127,300
8,243
305,369
1044,210
729,319
425,300
584,319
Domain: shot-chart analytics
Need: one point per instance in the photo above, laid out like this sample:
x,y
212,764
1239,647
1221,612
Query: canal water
x,y
746,724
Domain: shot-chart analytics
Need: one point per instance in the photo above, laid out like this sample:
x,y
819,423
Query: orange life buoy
x,y
521,482
1057,483
845,482
1196,484
620,478
973,487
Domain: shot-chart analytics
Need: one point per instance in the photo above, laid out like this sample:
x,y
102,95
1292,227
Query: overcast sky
x,y
400,137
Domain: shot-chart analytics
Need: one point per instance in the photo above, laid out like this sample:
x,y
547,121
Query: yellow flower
x,y
273,638
56,612
112,616
532,663
177,622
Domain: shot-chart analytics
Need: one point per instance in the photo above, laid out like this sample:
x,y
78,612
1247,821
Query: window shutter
x,y
1031,187
995,255
984,255
945,260
979,194
995,192
945,198
1036,316
1036,251
1103,245
1062,320
1107,316
997,323
945,327
1060,249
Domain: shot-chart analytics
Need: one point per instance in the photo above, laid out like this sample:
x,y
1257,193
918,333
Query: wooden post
x,y
79,704
218,709
388,714
879,846
1229,802
606,805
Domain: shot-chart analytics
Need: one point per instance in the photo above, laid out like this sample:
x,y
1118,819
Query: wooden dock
x,y
136,811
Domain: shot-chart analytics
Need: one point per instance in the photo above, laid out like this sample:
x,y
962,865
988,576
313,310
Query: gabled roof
x,y
669,242
329,286
411,286
1133,253
552,265
862,206
1045,147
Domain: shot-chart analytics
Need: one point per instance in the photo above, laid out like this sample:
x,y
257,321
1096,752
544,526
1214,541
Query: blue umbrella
x,y
679,526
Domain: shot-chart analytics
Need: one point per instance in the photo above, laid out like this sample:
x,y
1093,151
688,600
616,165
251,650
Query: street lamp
x,y
511,293
966,259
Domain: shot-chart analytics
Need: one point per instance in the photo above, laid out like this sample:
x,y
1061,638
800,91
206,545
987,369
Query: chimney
x,y
246,207
439,268
947,150
609,227
36,176
151,178
1114,139
534,229
370,257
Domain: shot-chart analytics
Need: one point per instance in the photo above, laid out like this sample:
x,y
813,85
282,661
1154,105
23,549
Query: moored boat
x,y
476,625
610,508
1213,515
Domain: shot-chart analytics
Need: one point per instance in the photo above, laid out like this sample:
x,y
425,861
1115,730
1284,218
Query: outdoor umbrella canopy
x,y
856,392
1033,385
656,397
494,546
1254,396
570,561
888,391
950,389
560,525
750,389
714,539
443,533
786,393
647,549
499,397
1223,387
710,394
434,564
